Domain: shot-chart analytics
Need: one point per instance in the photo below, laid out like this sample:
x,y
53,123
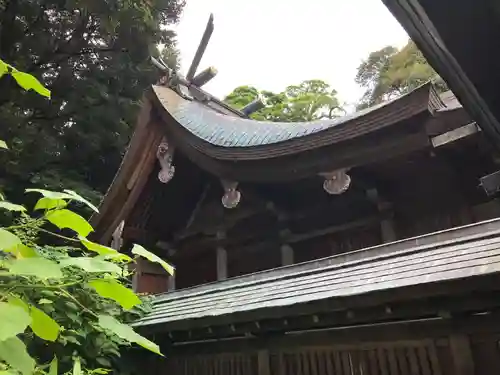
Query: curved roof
x,y
220,129
215,133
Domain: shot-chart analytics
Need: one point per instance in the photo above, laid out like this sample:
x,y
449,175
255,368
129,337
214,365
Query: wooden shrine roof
x,y
223,130
228,146
220,135
428,260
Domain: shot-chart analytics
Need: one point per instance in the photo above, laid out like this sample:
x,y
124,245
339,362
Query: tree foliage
x,y
66,301
310,100
93,56
389,72
63,306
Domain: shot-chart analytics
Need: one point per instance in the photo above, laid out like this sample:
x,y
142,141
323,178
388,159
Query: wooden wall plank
x,y
434,360
462,355
263,362
383,361
423,360
393,363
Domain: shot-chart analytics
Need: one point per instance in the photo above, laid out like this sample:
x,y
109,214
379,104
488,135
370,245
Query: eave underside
x,y
455,37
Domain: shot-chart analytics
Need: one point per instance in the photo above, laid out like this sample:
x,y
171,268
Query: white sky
x,y
271,44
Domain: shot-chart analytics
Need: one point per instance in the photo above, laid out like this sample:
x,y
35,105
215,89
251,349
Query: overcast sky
x,y
271,44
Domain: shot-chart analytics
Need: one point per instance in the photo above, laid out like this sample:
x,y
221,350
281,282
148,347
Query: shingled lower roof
x,y
448,255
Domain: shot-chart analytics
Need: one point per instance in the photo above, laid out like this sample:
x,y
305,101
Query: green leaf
x,y
68,219
103,361
127,333
77,367
15,319
79,198
44,301
106,252
141,251
112,289
39,267
49,194
8,240
22,251
16,301
11,206
13,351
101,371
91,264
3,144
4,68
43,325
67,195
53,366
29,82
46,203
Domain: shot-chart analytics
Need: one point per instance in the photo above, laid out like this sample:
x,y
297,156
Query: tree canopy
x,y
389,72
310,100
93,56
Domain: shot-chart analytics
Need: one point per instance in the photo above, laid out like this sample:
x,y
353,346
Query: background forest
x,y
384,75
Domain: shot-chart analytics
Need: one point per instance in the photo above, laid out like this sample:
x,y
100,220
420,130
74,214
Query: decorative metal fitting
x,y
165,154
336,182
231,196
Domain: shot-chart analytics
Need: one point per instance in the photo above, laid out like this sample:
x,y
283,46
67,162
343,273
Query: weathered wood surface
x,y
444,256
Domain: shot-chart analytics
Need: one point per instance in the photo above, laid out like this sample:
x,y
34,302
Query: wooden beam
x,y
351,337
455,135
292,238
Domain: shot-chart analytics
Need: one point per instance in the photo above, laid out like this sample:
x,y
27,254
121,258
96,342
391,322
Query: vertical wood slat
x,y
461,354
263,363
306,362
393,365
373,363
346,362
338,363
402,361
434,360
383,361
413,361
423,360
300,363
329,359
321,363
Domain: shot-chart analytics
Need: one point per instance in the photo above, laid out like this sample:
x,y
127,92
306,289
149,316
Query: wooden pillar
x,y
171,283
286,255
388,230
387,227
221,263
264,367
461,354
137,274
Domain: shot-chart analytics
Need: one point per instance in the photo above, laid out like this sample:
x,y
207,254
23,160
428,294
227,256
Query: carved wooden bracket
x,y
336,182
231,196
165,154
